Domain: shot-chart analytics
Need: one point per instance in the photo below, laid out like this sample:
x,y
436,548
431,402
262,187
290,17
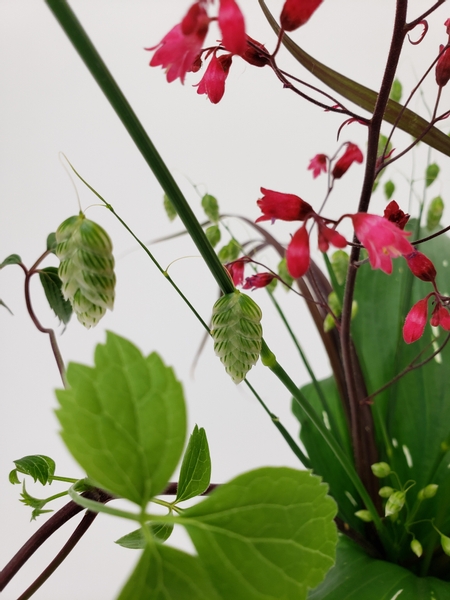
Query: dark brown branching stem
x,y
362,431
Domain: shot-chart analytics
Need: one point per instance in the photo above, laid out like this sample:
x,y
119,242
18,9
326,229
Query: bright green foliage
x,y
213,234
86,269
434,213
237,333
195,472
284,273
169,208
431,174
389,189
40,467
136,540
36,504
211,208
124,420
396,91
272,532
229,252
164,573
52,287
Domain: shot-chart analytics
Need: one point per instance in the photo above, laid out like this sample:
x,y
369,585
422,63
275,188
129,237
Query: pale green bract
x,y
237,333
86,269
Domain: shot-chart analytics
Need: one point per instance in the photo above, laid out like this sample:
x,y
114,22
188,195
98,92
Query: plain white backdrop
x,y
259,135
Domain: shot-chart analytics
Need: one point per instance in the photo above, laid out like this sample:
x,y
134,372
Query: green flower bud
x,y
434,213
445,543
381,469
428,492
237,333
395,503
86,268
386,491
364,515
416,547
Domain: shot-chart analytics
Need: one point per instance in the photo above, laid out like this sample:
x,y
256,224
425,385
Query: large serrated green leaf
x,y
52,287
195,472
124,420
361,95
357,576
164,573
266,535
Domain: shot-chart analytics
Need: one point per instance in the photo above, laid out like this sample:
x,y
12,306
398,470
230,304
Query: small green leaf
x,y
229,252
211,208
164,573
51,242
237,333
12,259
389,189
434,212
36,504
38,466
52,287
169,208
245,535
13,478
7,308
396,91
195,472
431,174
213,234
136,540
124,420
284,274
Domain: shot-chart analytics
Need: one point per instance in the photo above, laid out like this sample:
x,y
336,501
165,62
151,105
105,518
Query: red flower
x,y
232,26
352,154
440,317
296,12
415,321
318,164
213,81
286,207
255,53
329,236
382,239
394,214
179,49
421,266
236,271
259,280
297,253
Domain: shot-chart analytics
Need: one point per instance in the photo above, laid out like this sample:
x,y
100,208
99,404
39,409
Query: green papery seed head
x,y
445,543
434,212
86,268
416,547
395,503
386,491
428,492
381,469
237,333
364,515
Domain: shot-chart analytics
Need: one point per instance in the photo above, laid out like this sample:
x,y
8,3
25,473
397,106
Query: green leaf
x,y
396,91
13,478
164,573
7,308
195,473
52,287
211,208
124,420
12,259
229,252
136,540
389,189
169,208
357,576
213,234
362,96
51,242
38,466
431,174
266,535
36,504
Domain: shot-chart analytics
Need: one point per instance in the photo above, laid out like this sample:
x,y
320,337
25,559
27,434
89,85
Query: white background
x,y
259,135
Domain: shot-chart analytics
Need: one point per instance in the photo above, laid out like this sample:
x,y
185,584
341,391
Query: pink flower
x,y
443,67
415,321
287,207
213,81
421,266
296,12
382,239
255,53
236,271
318,164
297,253
440,317
232,26
259,280
352,154
394,213
178,50
329,236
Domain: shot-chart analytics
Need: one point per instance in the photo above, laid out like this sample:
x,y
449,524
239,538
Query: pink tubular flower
x,y
236,271
382,239
318,164
329,236
440,317
443,67
415,321
352,154
421,266
296,12
259,280
286,207
232,26
297,253
394,213
213,81
179,49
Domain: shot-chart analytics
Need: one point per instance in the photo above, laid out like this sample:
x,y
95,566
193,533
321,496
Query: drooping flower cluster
x,y
320,163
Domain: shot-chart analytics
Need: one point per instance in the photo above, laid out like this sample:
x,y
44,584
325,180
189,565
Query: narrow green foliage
x,y
237,333
169,208
211,208
284,273
86,269
229,252
431,174
389,189
396,91
12,259
213,234
195,472
52,285
40,467
434,213
124,420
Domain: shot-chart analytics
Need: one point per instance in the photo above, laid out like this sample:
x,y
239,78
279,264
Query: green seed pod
x,y
428,492
416,547
364,515
395,503
434,213
381,469
386,491
86,269
237,333
445,543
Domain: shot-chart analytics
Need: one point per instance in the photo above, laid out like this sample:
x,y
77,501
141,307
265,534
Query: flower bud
x,y
395,503
296,13
443,67
445,543
416,547
415,321
428,492
381,469
421,266
386,491
364,515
